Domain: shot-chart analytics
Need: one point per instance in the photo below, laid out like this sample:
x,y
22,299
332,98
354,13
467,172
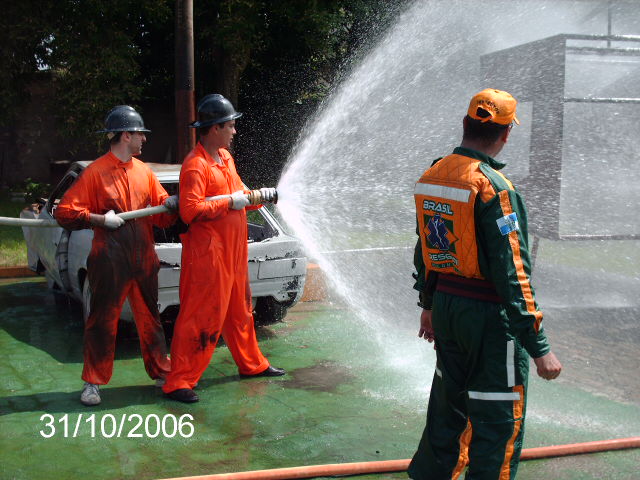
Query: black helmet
x,y
212,109
123,118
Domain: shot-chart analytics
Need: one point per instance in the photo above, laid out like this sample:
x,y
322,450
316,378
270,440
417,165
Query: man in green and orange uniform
x,y
214,281
123,262
478,303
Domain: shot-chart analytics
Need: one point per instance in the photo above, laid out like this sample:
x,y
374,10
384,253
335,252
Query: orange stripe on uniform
x,y
463,458
523,280
518,409
505,179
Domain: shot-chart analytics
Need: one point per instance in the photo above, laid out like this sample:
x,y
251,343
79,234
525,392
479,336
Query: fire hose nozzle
x,y
255,197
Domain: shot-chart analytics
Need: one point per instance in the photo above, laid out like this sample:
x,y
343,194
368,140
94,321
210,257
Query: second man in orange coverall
x,y
214,284
123,261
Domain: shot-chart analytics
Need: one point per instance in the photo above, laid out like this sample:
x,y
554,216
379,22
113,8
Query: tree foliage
x,y
275,60
23,50
97,55
97,52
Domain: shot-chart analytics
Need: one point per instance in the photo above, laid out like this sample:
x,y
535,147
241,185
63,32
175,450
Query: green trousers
x,y
478,396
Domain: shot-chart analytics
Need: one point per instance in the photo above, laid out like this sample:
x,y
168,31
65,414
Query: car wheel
x,y
268,310
86,300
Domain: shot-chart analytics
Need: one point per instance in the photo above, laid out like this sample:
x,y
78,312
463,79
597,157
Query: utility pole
x,y
184,84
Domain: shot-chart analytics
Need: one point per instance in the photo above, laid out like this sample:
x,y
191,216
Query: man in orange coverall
x,y
123,262
214,284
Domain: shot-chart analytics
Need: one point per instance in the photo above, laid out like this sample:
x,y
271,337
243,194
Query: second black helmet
x,y
212,109
123,118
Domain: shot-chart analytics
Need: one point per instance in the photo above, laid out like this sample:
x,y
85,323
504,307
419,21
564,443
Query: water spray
x,y
254,196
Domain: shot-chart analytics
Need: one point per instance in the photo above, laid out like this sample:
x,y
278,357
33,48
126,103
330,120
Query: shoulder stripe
x,y
497,179
523,280
506,180
440,191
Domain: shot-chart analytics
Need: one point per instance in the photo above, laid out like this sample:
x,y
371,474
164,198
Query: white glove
x,y
267,194
171,203
112,221
239,200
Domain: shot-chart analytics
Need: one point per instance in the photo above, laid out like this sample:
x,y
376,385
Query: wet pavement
x,y
350,395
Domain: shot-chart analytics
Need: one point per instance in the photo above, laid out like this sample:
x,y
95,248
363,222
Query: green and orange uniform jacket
x,y
474,225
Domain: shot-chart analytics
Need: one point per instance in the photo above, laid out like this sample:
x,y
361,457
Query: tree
x,y
298,51
23,51
98,53
274,60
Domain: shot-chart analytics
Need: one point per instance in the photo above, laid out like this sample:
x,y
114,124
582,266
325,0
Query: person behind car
x,y
477,303
123,262
214,282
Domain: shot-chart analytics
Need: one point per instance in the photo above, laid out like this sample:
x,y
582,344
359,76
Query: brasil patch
x,y
508,223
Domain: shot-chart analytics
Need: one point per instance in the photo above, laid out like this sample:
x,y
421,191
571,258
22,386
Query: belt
x,y
475,288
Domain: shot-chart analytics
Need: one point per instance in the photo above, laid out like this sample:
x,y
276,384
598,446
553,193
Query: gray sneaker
x,y
90,394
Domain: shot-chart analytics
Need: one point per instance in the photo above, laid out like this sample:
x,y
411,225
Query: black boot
x,y
185,395
269,372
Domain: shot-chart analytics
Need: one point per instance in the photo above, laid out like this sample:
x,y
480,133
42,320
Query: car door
x,y
52,243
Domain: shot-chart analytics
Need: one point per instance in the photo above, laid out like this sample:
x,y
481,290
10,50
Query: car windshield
x,y
59,191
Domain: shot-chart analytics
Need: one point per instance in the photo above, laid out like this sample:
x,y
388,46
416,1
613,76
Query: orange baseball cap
x,y
500,106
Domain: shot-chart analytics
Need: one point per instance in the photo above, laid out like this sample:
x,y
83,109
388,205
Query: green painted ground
x,y
351,395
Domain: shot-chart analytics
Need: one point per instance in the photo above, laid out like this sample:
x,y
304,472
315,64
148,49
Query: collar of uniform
x,y
209,158
119,163
483,157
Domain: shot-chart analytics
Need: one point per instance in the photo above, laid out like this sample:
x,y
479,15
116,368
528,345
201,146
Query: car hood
x,y
281,246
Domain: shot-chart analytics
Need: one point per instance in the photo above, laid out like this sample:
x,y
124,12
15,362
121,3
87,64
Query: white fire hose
x,y
27,222
145,212
254,198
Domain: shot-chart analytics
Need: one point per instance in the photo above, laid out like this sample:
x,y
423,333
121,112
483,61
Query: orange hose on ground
x,y
579,448
385,466
310,471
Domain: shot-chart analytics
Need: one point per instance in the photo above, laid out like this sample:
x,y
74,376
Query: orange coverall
x,y
122,262
214,281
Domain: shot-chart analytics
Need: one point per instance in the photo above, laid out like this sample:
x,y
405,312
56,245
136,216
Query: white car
x,y
277,266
